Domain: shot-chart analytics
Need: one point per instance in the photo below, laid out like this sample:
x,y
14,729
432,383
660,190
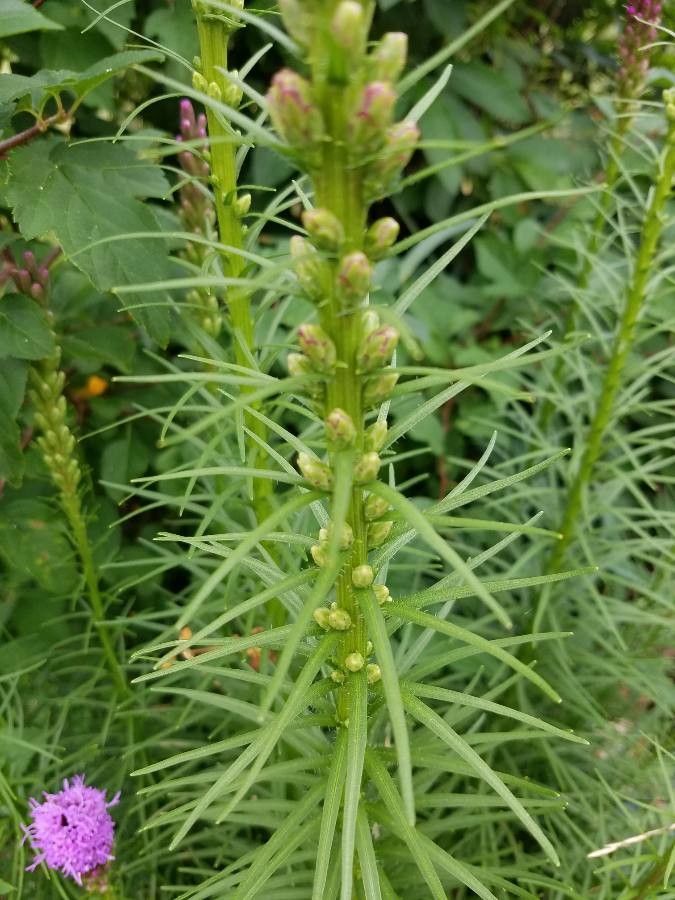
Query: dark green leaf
x,y
24,332
88,192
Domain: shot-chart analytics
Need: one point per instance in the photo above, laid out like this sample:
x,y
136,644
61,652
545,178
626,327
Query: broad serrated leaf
x,y
85,193
19,16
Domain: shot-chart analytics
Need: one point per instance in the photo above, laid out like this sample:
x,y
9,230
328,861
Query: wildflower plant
x,y
313,671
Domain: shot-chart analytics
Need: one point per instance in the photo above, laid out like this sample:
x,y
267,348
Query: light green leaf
x,y
19,16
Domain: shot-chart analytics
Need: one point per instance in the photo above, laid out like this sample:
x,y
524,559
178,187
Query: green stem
x,y
612,172
214,31
338,188
623,341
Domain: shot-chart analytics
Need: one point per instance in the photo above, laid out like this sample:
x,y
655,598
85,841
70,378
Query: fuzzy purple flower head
x,y
72,830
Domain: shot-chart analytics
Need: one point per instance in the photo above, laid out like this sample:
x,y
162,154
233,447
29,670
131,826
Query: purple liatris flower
x,y
72,830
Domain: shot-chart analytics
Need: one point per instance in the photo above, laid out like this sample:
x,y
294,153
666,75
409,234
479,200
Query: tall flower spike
x,y
643,17
72,831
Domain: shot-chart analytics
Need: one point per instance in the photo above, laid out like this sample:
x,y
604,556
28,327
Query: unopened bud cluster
x,y
379,147
56,441
641,30
197,211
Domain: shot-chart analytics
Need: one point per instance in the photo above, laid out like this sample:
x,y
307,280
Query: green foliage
x,y
491,716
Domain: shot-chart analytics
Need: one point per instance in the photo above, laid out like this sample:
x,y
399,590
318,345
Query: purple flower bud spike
x,y
72,831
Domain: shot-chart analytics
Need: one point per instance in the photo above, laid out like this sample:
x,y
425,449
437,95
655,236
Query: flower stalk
x,y
215,29
636,297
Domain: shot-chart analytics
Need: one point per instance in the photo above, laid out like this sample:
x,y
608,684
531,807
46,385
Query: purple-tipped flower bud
x,y
362,576
37,292
373,115
366,468
373,673
354,277
295,19
309,267
292,110
399,145
317,347
388,58
640,31
340,429
315,472
379,389
376,348
348,27
381,236
376,435
375,507
320,616
339,620
378,532
382,594
354,662
43,276
324,229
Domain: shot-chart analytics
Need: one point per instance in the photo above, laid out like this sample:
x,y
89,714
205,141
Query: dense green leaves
x,y
87,196
24,331
19,16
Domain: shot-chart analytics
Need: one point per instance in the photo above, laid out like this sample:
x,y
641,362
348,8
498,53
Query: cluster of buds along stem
x,y
333,618
31,278
197,211
56,441
643,18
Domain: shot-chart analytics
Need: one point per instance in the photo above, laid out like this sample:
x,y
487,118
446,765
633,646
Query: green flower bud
x,y
372,117
354,277
324,228
319,555
242,204
354,662
378,532
388,58
381,236
295,19
315,472
346,536
369,321
382,594
292,110
376,435
379,389
298,364
373,673
233,93
317,347
199,83
213,90
362,576
339,620
369,648
337,676
348,28
376,348
366,468
308,266
340,429
375,507
320,616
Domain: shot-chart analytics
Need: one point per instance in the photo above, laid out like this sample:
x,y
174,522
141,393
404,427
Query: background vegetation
x,y
527,114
